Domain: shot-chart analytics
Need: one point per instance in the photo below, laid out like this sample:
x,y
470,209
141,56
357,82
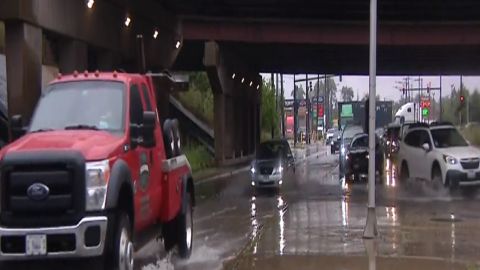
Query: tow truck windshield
x,y
95,105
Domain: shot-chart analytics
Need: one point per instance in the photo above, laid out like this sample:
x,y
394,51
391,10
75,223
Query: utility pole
x,y
318,101
273,117
441,108
371,224
282,99
311,114
461,93
295,111
327,105
307,116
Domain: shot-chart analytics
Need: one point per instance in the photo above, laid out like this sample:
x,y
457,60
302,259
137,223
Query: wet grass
x,y
198,156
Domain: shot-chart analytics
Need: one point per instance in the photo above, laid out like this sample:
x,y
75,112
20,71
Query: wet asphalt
x,y
316,221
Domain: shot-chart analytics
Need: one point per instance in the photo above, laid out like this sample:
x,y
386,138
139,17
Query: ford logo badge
x,y
38,192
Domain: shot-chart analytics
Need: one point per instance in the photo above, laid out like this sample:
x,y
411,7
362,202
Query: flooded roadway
x,y
317,222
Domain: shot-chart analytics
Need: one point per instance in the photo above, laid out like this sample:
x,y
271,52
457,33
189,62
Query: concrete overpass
x,y
241,37
415,37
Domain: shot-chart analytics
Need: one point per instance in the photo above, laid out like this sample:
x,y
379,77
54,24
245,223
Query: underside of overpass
x,y
241,37
422,37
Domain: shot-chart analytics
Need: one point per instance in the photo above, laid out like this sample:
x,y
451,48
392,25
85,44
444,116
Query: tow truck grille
x,y
57,180
63,173
470,164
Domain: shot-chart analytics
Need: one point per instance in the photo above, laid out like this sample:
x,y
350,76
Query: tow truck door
x,y
141,172
155,156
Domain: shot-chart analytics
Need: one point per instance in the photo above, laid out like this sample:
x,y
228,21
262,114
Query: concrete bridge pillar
x,y
234,104
23,43
73,55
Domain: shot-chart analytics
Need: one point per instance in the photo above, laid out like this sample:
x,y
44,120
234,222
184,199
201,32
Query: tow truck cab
x,y
91,171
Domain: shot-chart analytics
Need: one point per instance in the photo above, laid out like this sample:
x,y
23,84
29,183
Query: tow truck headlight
x,y
97,175
252,170
450,160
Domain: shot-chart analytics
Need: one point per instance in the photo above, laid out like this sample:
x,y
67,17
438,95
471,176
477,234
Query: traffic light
x,y
462,98
425,108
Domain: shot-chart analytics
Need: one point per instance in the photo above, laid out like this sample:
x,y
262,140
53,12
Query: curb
x,y
240,170
223,175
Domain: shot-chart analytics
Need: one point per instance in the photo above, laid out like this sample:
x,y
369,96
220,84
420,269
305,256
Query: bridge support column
x,y
234,117
24,67
73,55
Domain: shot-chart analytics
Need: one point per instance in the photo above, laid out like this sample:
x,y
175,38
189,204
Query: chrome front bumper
x,y
81,250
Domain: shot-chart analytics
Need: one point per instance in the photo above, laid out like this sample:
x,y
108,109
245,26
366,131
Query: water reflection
x,y
344,212
281,224
391,173
452,236
391,214
253,215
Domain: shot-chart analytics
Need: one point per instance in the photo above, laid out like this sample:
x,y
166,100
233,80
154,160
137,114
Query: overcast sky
x,y
386,84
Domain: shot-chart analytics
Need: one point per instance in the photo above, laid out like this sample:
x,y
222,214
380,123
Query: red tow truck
x,y
94,170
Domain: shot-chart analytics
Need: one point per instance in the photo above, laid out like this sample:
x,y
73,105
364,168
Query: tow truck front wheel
x,y
179,231
185,237
121,254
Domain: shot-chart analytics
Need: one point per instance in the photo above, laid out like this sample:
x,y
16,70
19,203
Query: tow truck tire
x,y
185,232
168,139
179,231
176,137
120,257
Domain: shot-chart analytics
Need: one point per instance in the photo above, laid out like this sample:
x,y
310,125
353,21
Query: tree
x,y
347,93
270,118
300,92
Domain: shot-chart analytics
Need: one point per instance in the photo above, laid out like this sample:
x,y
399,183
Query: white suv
x,y
440,153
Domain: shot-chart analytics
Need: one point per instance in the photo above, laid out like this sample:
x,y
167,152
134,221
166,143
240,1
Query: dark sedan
x,y
335,142
357,156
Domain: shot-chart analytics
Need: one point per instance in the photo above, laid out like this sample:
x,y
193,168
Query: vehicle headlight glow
x,y
343,150
253,170
278,170
450,160
97,175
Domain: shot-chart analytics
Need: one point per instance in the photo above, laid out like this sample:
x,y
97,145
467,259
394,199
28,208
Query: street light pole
x,y
318,101
273,118
441,108
307,117
326,104
295,109
371,226
282,99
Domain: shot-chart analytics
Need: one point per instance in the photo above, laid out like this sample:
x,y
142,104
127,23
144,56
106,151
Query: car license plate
x,y
36,245
471,174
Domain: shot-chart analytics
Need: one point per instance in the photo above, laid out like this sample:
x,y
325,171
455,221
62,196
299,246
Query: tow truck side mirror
x,y
17,127
148,129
